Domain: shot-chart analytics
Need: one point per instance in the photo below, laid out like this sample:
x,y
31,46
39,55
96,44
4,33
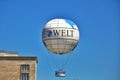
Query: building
x,y
14,67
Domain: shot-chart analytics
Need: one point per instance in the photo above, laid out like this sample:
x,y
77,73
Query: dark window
x,y
24,67
24,76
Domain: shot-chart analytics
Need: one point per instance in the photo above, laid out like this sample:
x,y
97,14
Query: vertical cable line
x,y
53,60
66,61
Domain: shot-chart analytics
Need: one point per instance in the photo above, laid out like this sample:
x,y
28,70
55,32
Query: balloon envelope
x,y
60,36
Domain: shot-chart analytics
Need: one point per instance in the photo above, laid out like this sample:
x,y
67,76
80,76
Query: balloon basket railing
x,y
60,73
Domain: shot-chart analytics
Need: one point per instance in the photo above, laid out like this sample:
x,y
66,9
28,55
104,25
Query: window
x,y
24,76
24,67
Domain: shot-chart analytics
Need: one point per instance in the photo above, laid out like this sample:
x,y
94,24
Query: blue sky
x,y
97,55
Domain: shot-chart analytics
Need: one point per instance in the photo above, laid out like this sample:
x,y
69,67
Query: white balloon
x,y
60,36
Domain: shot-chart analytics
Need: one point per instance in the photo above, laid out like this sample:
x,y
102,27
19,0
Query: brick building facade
x,y
14,67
